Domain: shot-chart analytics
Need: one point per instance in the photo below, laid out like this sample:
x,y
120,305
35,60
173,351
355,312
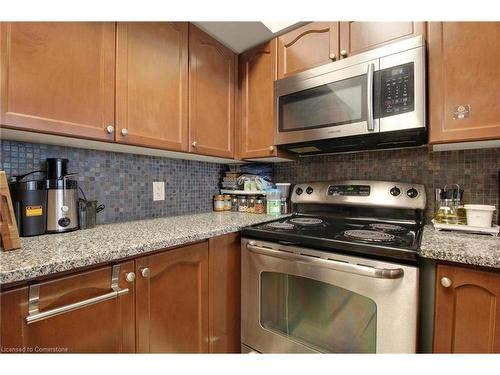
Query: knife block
x,y
9,234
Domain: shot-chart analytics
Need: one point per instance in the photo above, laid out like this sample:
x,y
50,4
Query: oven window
x,y
338,103
319,315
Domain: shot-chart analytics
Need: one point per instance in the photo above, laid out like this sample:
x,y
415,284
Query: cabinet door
x,y
211,95
464,81
104,326
58,77
172,301
225,293
467,313
357,37
314,44
257,75
152,84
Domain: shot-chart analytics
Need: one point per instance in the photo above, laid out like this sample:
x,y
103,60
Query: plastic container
x,y
479,215
273,197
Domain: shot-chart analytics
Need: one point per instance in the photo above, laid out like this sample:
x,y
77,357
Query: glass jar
x,y
242,204
273,198
234,203
218,203
227,202
260,206
251,204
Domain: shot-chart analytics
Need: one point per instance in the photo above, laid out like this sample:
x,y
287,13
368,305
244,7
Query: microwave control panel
x,y
397,93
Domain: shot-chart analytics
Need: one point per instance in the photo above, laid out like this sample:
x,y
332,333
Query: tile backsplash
x,y
475,170
123,182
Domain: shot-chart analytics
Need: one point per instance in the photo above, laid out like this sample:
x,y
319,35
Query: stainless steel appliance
x,y
371,100
340,275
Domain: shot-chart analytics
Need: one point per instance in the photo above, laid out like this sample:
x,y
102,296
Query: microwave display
x,y
396,89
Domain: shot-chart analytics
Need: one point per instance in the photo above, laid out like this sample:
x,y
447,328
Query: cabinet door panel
x,y
172,302
308,46
152,84
467,316
58,77
357,37
103,327
464,81
211,95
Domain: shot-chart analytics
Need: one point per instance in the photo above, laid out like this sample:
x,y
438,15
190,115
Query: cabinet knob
x,y
343,53
110,129
332,56
446,282
145,272
130,277
124,132
271,148
194,144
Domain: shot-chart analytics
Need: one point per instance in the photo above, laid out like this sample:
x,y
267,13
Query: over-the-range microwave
x,y
372,100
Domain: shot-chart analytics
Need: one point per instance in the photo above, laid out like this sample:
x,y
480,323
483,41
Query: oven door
x,y
297,300
334,104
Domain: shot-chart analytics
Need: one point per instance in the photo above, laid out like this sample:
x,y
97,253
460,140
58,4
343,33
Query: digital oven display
x,y
349,190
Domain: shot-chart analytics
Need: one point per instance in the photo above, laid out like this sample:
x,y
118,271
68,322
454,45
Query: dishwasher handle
x,y
377,273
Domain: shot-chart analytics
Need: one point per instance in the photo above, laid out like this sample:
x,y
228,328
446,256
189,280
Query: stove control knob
x,y
299,191
309,190
412,193
395,191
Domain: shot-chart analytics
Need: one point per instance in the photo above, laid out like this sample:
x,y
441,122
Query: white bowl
x,y
479,215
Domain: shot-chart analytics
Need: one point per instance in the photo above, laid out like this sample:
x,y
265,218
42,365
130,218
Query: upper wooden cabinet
x,y
211,95
152,84
467,311
464,81
311,45
172,301
103,326
357,37
58,77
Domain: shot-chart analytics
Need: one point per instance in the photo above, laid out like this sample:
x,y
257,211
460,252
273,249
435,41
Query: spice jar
x,y
227,202
242,204
260,207
218,202
234,203
251,204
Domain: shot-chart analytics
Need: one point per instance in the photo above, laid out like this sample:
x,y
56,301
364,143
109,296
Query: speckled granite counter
x,y
48,254
475,249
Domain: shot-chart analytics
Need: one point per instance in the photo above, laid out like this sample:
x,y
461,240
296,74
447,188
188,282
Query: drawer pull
x,y
34,293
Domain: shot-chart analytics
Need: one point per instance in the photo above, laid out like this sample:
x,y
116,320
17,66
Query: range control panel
x,y
349,190
397,90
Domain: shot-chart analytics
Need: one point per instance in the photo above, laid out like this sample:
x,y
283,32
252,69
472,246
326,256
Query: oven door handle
x,y
369,97
377,273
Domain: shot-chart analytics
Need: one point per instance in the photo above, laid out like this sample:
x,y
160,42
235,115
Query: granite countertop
x,y
49,254
474,249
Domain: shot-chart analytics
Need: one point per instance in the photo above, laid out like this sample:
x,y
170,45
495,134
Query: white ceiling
x,y
241,36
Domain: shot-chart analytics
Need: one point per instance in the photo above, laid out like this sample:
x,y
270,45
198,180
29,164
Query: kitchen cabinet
x,y
464,81
225,292
105,326
311,45
467,311
357,37
211,95
58,77
152,84
172,301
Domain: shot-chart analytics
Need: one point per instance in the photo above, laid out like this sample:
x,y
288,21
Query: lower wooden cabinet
x,y
105,326
467,311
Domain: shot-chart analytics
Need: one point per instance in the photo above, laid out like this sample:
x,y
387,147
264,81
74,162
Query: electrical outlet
x,y
158,190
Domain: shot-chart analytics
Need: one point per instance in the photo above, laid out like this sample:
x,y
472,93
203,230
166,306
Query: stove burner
x,y
369,235
306,221
280,225
388,228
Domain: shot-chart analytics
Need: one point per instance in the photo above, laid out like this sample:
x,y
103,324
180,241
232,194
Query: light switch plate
x,y
158,190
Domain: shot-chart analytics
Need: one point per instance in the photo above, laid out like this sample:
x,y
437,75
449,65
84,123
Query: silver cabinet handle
x,y
377,273
446,282
369,98
194,144
110,129
343,53
145,272
34,315
332,56
124,132
130,277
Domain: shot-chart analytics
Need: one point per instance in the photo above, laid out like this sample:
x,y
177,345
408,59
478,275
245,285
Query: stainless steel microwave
x,y
372,100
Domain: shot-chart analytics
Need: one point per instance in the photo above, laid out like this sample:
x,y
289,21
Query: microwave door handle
x,y
369,98
377,273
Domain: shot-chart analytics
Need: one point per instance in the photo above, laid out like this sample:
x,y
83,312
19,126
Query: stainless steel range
x,y
340,275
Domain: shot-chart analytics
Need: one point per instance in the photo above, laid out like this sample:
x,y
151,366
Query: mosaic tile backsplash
x,y
123,182
475,170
